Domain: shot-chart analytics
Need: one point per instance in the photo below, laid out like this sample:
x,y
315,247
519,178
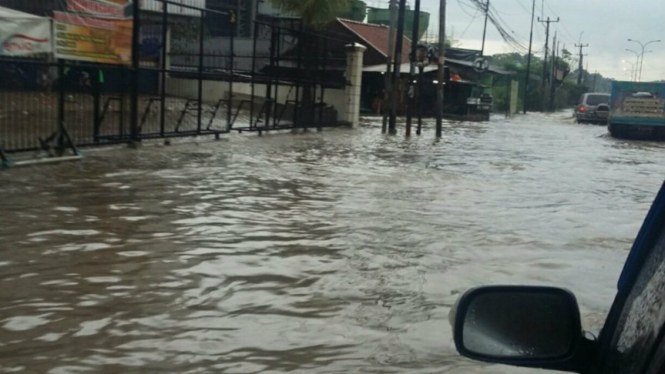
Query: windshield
x,y
597,99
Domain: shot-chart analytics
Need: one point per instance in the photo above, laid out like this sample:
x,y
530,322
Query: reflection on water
x,y
325,252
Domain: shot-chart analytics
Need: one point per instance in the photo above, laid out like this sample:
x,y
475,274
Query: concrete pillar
x,y
514,89
354,80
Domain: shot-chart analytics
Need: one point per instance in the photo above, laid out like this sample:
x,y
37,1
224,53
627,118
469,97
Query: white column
x,y
354,80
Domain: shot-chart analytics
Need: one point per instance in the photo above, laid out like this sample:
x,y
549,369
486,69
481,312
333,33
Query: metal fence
x,y
189,76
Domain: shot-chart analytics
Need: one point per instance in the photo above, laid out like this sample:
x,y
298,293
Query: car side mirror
x,y
521,326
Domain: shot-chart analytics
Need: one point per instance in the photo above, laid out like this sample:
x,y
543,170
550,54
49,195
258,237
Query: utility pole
x,y
412,71
441,66
555,53
392,124
547,41
388,87
528,59
487,12
580,68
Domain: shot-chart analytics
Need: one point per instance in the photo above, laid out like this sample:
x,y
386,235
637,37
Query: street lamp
x,y
642,54
423,52
636,65
632,68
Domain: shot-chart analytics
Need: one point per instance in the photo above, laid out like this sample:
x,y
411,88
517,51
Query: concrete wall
x,y
346,101
213,91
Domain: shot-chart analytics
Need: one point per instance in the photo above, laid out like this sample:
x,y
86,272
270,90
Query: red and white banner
x,y
115,8
23,35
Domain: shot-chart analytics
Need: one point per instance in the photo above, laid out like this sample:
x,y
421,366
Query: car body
x,y
592,107
540,326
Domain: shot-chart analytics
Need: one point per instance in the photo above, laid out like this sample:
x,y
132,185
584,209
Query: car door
x,y
657,364
633,334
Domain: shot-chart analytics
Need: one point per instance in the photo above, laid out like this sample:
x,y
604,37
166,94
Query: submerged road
x,y
334,252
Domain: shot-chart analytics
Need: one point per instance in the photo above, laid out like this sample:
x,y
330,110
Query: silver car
x,y
592,107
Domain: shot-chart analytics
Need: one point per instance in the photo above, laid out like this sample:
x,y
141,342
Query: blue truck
x,y
637,110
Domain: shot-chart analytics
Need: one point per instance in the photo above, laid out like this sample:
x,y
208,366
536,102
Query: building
x,y
459,64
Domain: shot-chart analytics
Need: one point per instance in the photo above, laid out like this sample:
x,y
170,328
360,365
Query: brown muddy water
x,y
333,252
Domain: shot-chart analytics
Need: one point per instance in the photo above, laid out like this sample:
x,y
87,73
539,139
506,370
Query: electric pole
x,y
388,87
528,59
415,33
392,124
580,68
441,66
487,12
555,52
547,41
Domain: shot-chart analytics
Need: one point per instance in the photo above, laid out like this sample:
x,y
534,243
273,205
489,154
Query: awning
x,y
23,34
404,68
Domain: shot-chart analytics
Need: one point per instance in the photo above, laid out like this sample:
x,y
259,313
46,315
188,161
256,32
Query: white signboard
x,y
158,6
23,34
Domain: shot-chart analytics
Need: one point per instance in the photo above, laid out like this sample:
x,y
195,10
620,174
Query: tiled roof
x,y
376,37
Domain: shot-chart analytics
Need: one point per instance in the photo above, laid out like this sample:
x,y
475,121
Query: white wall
x,y
213,91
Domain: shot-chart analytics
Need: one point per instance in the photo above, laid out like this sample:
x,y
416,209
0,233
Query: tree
x,y
314,13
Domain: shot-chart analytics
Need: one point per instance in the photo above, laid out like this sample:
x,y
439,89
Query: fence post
x,y
278,46
322,107
96,102
136,44
165,56
201,50
253,88
296,109
229,107
61,100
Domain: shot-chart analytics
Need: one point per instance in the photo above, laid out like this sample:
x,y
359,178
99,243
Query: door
x,y
638,331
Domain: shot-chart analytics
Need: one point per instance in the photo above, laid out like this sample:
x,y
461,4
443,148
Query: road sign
x,y
481,65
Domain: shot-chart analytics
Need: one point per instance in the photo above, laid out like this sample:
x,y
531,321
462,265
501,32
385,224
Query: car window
x,y
597,99
642,318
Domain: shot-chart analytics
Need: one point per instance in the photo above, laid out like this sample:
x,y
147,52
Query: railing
x,y
201,89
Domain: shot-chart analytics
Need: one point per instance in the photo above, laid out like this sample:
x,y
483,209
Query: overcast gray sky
x,y
607,24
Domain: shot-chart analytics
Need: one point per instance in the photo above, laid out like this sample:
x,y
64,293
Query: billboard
x,y
93,39
113,8
23,35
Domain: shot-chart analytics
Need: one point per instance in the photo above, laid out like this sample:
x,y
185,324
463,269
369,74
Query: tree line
x,y
566,93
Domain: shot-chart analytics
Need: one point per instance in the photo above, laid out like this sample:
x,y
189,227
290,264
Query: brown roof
x,y
376,37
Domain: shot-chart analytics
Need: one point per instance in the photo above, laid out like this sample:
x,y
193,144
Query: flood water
x,y
332,252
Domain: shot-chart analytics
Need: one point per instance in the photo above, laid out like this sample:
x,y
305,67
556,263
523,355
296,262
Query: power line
x,y
562,24
498,23
462,5
470,22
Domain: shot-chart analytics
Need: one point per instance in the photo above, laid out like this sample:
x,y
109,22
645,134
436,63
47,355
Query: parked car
x,y
540,327
593,107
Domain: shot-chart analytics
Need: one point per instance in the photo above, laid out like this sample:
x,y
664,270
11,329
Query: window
x,y
597,99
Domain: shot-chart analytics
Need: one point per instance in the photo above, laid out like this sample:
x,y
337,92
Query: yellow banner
x,y
93,39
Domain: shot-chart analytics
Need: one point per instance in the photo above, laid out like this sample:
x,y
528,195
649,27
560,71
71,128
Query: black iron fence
x,y
189,76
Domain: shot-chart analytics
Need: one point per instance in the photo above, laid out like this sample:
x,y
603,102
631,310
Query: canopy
x,y
23,34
